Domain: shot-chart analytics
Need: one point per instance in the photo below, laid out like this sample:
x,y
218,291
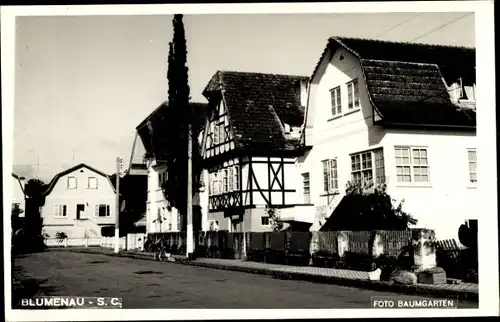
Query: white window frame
x,y
330,176
225,179
408,169
306,186
371,169
230,178
336,101
353,95
236,178
98,210
470,162
61,211
96,183
215,132
68,183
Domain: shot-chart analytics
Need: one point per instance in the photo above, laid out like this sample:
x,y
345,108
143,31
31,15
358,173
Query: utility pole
x,y
117,205
189,210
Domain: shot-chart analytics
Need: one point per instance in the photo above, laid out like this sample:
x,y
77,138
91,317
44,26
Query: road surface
x,y
148,284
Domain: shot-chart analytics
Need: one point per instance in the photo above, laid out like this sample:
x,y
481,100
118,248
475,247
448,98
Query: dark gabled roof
x,y
257,105
76,167
407,82
155,119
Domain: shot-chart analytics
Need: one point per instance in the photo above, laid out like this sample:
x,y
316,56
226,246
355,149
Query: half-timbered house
x,y
249,146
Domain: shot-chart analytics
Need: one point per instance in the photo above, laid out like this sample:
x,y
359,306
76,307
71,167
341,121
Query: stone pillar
x,y
342,242
313,244
424,249
378,245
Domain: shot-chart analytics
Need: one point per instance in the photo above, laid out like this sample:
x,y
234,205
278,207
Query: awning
x,y
141,222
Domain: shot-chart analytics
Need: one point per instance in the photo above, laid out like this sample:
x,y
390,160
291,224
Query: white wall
x,y
449,199
442,206
156,200
18,194
61,195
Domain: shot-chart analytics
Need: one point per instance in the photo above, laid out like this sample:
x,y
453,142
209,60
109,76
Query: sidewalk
x,y
464,291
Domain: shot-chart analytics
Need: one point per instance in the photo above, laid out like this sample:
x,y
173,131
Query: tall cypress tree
x,y
177,121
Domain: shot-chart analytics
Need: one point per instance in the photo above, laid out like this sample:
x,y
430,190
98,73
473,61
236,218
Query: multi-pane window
x,y
472,166
307,187
60,210
353,95
222,133
215,131
412,164
330,179
365,170
71,183
336,101
236,178
102,211
264,221
92,183
230,179
225,179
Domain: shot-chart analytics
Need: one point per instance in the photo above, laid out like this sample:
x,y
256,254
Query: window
x,y
236,178
364,170
412,165
472,166
330,179
352,95
224,180
92,183
264,221
222,134
336,101
230,179
102,210
60,210
71,183
215,131
307,187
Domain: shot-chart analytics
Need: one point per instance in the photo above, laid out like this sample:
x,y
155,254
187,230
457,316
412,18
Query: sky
x,y
83,83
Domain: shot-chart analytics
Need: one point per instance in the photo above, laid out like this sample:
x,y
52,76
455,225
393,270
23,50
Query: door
x,y
80,211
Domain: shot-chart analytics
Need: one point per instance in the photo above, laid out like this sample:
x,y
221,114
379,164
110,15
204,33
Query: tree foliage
x,y
369,207
274,219
177,117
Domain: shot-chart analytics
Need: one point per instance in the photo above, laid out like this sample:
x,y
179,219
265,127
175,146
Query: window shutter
x,y
97,210
56,208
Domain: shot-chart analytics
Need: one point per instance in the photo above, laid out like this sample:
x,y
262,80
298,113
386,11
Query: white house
x,y
396,113
160,216
79,201
18,196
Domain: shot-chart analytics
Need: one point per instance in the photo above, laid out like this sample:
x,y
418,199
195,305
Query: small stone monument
x,y
424,249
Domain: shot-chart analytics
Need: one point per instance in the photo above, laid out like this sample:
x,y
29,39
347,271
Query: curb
x,y
342,281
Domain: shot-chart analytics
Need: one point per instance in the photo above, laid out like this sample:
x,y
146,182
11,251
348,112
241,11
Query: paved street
x,y
148,284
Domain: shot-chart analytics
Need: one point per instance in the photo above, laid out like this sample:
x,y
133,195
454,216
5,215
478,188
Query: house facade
x,y
397,114
160,216
79,202
18,196
249,147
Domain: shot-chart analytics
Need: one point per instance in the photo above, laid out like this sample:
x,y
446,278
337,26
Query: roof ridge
x,y
340,38
261,73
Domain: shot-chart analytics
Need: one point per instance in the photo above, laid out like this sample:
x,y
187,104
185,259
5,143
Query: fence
x,y
109,242
135,241
298,248
72,242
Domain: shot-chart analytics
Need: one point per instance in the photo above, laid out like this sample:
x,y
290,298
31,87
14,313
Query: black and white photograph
x,y
250,157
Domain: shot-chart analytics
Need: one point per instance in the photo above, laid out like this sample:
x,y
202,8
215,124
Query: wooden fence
x,y
283,247
72,242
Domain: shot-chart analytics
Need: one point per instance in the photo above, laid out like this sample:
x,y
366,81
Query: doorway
x,y
80,211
